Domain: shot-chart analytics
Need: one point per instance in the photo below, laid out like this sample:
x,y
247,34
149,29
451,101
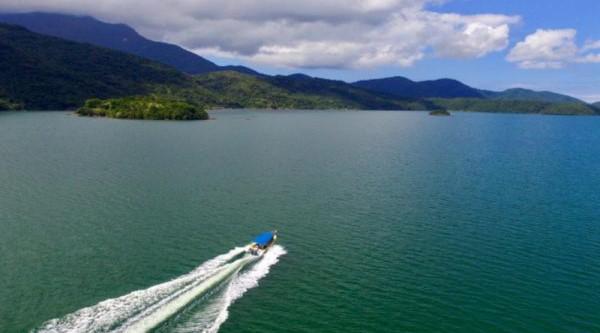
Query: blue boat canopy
x,y
264,239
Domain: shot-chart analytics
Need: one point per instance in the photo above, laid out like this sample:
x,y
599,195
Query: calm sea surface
x,y
392,221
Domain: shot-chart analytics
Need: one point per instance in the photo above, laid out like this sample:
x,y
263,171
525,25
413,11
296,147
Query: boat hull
x,y
259,250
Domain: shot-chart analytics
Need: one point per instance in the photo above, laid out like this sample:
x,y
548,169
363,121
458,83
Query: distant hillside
x,y
48,73
117,37
447,88
42,72
123,38
237,90
229,89
597,104
516,106
241,69
300,83
520,94
404,88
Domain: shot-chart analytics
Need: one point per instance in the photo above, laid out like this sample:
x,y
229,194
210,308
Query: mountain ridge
x,y
400,86
48,73
42,72
123,38
116,36
522,94
403,87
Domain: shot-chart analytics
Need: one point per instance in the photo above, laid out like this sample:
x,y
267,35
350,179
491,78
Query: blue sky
x,y
493,71
582,80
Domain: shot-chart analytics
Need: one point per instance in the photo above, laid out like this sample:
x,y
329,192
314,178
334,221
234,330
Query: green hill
x,y
520,94
120,37
515,106
42,72
236,90
143,107
402,87
355,97
46,73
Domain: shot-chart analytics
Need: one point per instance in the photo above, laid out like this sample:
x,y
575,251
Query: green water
x,y
392,221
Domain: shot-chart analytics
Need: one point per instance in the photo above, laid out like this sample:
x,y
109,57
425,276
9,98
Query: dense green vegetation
x,y
143,107
402,87
236,90
47,73
520,94
6,104
123,38
515,106
354,96
229,89
439,113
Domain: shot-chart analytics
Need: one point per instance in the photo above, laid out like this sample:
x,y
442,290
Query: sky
x,y
490,44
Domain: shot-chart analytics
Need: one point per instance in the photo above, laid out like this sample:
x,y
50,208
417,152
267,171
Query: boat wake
x,y
195,302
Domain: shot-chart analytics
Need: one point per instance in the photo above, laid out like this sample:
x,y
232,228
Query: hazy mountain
x,y
516,106
447,88
520,94
402,87
120,37
233,89
304,84
43,72
38,71
123,38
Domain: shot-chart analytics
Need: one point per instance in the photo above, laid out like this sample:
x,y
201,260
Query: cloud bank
x,y
553,49
301,34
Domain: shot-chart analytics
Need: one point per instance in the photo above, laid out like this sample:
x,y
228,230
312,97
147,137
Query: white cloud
x,y
589,58
552,49
591,45
470,36
301,33
545,49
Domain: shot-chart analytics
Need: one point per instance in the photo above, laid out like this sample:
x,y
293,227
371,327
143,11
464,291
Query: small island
x,y
439,113
6,104
143,107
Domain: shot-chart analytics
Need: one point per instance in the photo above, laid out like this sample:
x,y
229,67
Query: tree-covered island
x,y
143,107
441,112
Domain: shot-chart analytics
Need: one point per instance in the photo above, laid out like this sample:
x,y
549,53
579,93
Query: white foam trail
x,y
107,315
155,317
213,316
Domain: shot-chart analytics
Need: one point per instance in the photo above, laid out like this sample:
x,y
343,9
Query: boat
x,y
262,243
